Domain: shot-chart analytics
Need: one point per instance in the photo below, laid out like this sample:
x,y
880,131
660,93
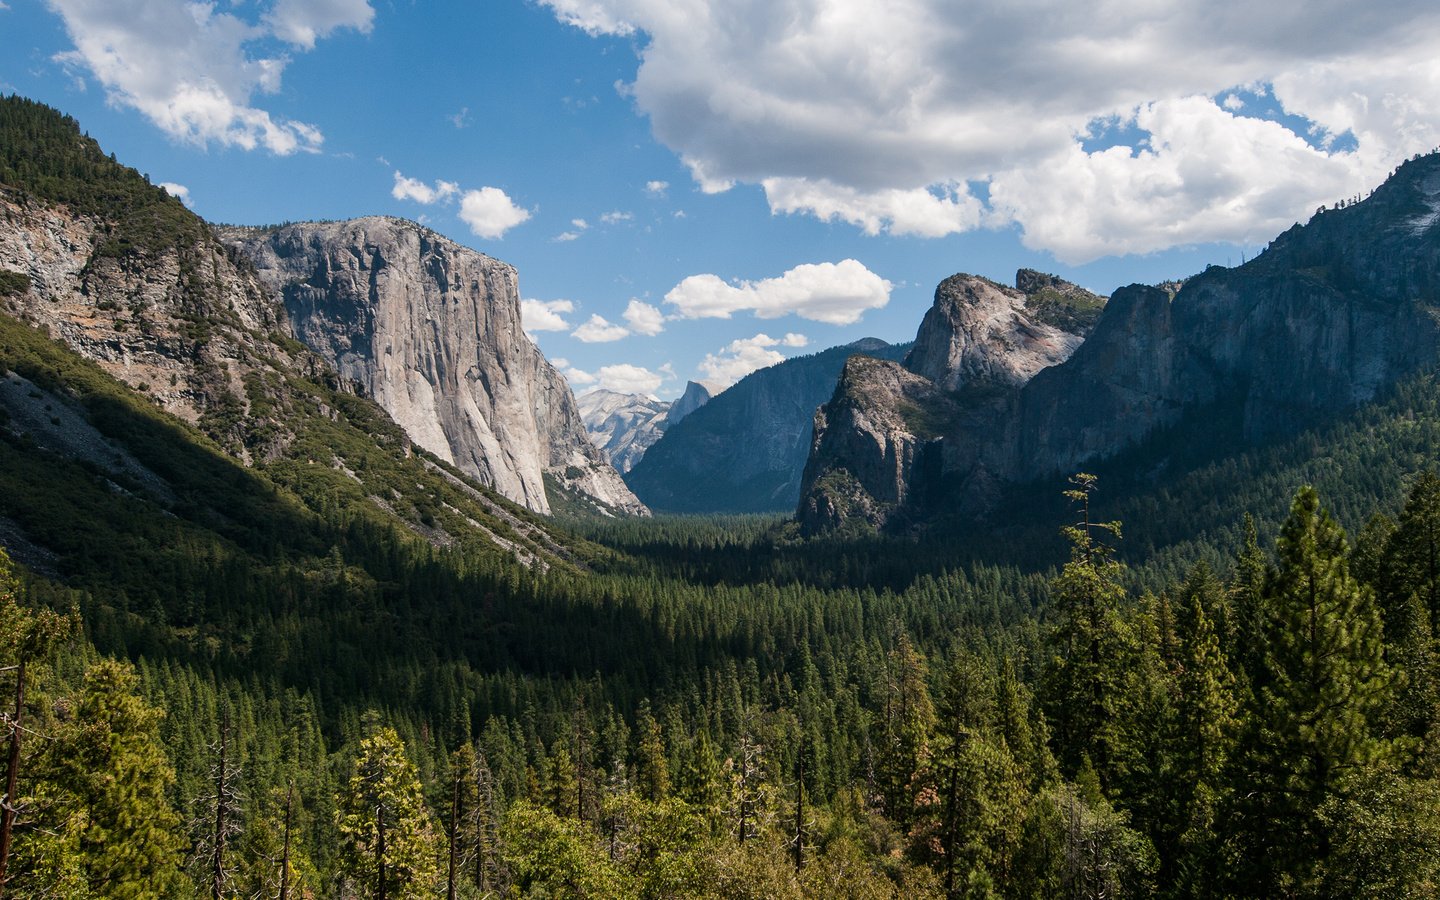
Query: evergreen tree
x,y
108,781
26,639
1324,681
1207,728
1085,675
389,839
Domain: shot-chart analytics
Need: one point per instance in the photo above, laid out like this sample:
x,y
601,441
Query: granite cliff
x,y
431,331
1326,319
881,442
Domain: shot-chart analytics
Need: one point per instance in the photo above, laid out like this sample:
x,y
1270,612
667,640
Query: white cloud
x,y
301,22
460,119
178,191
566,236
616,217
657,188
921,212
490,212
580,224
741,357
577,377
794,340
597,330
194,72
881,115
1206,175
629,379
546,315
837,293
644,318
420,192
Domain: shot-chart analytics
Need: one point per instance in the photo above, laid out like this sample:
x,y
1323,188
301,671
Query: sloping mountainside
x,y
431,330
120,274
881,442
745,450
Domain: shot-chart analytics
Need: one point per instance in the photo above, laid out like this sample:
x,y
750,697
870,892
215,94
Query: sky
x,y
693,189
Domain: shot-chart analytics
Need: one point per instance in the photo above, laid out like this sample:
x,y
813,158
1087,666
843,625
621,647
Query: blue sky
x,y
752,180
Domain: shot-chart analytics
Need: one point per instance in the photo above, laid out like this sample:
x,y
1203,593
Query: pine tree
x,y
1324,681
1084,678
108,781
389,839
26,639
1207,729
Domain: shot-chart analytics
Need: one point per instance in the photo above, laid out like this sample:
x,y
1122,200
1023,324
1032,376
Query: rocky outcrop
x,y
697,394
182,324
431,331
622,425
980,332
1329,316
888,435
884,423
745,450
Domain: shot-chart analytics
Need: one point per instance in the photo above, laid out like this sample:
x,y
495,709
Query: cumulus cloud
x,y
657,188
616,217
644,318
545,315
837,293
1194,181
490,212
420,192
178,191
194,71
597,330
742,356
629,379
301,22
883,116
577,377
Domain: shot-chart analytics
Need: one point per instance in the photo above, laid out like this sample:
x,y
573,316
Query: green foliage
x,y
389,844
12,283
44,154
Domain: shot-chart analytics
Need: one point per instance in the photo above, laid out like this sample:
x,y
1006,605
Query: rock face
x,y
745,450
882,422
623,426
979,332
1329,316
185,326
431,331
887,437
697,394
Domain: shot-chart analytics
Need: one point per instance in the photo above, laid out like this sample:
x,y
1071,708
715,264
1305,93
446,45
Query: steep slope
x,y
1333,314
622,425
697,394
194,368
881,442
1329,315
431,330
745,450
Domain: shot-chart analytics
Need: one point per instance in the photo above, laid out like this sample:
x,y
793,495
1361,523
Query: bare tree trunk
x,y
454,832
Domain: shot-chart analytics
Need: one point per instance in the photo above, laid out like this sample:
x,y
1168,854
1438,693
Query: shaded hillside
x,y
745,450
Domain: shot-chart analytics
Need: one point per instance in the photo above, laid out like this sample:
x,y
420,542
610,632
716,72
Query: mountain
x,y
745,450
1328,317
431,331
880,442
624,426
697,394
